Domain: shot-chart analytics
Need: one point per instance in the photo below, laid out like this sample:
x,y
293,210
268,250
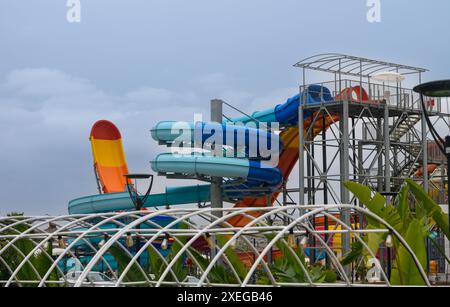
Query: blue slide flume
x,y
240,173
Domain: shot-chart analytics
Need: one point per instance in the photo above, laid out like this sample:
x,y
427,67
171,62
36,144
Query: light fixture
x,y
129,240
103,241
51,228
61,242
165,242
439,88
434,235
209,240
291,238
389,241
304,241
233,243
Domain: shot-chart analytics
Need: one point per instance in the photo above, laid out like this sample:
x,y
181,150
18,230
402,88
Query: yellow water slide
x,y
109,158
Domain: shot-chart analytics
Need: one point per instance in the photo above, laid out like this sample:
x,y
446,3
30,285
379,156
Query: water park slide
x,y
254,173
109,158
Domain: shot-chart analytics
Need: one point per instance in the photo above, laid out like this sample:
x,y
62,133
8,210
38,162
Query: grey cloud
x,y
46,116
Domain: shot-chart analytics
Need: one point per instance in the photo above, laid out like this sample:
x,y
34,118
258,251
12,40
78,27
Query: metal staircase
x,y
404,124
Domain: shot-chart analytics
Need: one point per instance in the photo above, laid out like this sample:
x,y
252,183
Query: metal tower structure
x,y
380,139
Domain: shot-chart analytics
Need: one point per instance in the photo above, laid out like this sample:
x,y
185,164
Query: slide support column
x,y
216,185
301,156
345,176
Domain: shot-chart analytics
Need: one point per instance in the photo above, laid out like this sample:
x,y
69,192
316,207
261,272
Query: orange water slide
x,y
288,159
109,158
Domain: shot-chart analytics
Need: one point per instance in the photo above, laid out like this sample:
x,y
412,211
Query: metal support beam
x,y
345,176
380,156
301,156
216,185
424,153
387,151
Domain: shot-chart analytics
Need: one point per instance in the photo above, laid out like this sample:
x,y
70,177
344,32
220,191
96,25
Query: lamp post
x,y
138,200
437,89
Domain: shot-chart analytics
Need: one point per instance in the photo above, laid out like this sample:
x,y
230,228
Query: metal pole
x,y
344,165
216,184
285,220
389,261
380,156
424,152
308,175
387,156
301,158
325,183
447,151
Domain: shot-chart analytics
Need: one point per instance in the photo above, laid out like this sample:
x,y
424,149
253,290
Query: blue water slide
x,y
255,171
253,174
250,174
200,134
121,201
287,112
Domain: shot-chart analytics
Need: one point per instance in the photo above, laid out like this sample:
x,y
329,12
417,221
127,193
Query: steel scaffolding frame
x,y
380,140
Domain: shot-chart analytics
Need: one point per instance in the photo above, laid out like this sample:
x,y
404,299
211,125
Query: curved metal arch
x,y
163,230
328,250
48,240
391,230
185,248
261,255
113,239
319,210
213,262
201,233
319,62
57,232
320,57
257,226
169,231
272,243
81,237
358,237
26,258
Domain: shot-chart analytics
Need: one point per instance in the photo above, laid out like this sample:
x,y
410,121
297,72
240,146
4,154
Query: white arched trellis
x,y
195,241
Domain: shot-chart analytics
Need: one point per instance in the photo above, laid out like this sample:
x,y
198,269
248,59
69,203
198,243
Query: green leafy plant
x,y
221,273
32,270
288,268
414,227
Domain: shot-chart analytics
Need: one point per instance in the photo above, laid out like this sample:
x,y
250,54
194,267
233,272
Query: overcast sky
x,y
136,62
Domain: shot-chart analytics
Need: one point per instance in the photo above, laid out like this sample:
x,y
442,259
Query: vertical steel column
x,y
301,142
361,174
216,184
301,157
424,146
424,152
380,156
387,154
308,175
285,220
324,178
345,174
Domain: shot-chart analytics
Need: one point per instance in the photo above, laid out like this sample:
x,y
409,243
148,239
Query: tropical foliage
x,y
32,269
413,223
285,269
